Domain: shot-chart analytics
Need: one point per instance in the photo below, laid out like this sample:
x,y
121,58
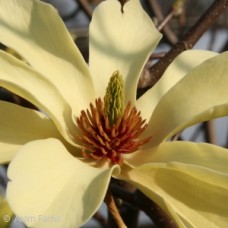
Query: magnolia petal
x,y
21,125
201,154
37,33
192,195
201,95
181,65
57,185
120,41
22,80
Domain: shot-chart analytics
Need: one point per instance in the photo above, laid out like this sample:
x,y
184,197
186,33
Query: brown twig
x,y
139,200
157,55
189,40
175,10
86,7
159,14
100,219
166,20
159,217
109,200
176,137
209,131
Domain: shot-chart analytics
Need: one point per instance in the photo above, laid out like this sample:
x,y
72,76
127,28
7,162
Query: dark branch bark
x,y
189,40
140,201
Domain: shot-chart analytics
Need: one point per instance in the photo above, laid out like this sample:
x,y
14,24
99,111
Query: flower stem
x,y
142,202
109,200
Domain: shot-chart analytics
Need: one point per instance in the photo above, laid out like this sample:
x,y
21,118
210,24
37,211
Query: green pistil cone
x,y
114,98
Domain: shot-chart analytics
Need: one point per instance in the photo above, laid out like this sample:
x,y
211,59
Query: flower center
x,y
108,130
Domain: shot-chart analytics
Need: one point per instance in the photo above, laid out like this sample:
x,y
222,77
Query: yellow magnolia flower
x,y
52,184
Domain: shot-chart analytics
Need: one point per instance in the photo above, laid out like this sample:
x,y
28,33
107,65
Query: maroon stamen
x,y
102,140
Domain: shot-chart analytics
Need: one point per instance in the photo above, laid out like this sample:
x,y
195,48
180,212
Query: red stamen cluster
x,y
101,140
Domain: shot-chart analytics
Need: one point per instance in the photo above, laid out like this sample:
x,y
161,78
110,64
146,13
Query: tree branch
x,y
159,14
139,200
189,40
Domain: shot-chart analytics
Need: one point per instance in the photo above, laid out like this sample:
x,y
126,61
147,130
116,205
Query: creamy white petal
x,y
21,125
203,154
181,65
37,33
22,80
120,41
201,95
194,196
46,181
